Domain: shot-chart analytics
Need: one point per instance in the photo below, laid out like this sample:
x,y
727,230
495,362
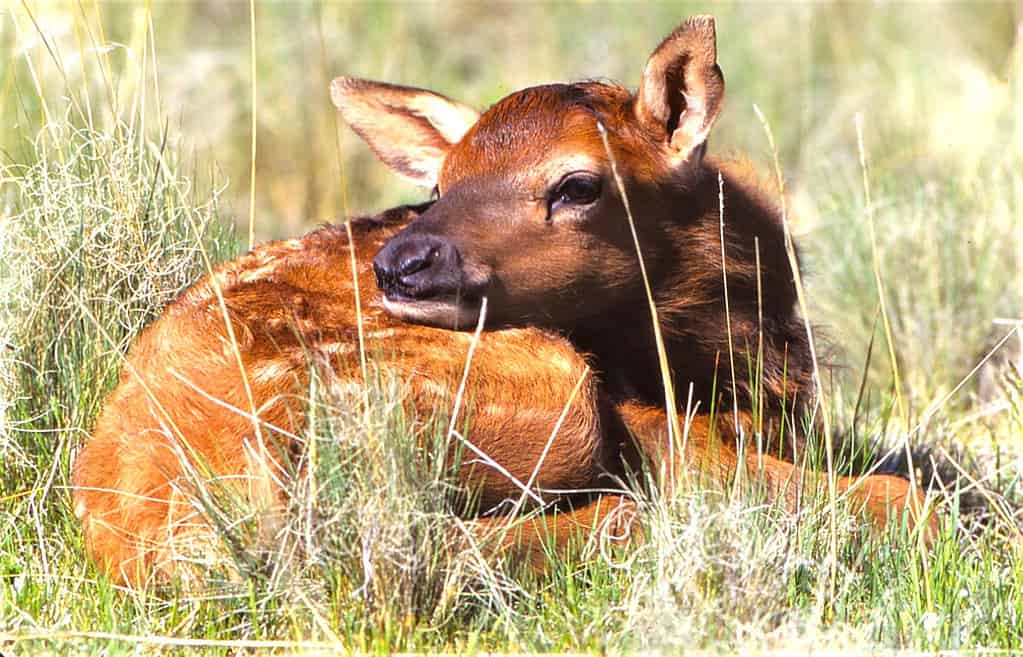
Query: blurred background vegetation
x,y
938,86
932,80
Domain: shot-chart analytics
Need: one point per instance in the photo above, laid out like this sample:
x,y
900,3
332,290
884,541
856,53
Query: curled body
x,y
182,413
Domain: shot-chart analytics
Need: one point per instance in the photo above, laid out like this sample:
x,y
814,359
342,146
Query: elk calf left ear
x,y
409,129
682,89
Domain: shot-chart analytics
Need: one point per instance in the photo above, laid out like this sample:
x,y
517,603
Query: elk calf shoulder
x,y
228,364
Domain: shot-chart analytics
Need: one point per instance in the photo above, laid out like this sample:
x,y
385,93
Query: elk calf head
x,y
528,211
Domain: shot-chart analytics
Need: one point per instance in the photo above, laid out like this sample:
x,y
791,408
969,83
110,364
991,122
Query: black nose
x,y
417,265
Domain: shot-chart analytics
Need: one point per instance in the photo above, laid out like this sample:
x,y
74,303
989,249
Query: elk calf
x,y
530,215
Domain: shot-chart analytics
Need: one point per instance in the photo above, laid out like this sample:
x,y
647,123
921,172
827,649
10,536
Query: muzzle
x,y
417,266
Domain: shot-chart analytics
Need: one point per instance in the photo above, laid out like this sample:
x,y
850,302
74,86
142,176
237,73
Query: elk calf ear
x,y
409,129
682,88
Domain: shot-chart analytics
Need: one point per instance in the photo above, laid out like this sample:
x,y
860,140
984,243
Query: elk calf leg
x,y
533,539
710,455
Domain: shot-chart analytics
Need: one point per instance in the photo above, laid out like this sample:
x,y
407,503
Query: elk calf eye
x,y
577,189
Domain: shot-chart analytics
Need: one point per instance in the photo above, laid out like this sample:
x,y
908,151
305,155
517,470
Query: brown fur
x,y
582,278
679,228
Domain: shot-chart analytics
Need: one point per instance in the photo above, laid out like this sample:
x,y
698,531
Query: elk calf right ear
x,y
409,129
682,88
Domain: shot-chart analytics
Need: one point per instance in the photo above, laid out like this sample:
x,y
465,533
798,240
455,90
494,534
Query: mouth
x,y
460,313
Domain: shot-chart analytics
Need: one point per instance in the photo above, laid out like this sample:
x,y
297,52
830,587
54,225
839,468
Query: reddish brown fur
x,y
582,279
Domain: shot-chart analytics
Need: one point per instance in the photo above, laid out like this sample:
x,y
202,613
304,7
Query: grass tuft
x,y
101,227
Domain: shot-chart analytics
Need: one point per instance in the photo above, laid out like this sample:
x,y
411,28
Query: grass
x,y
126,152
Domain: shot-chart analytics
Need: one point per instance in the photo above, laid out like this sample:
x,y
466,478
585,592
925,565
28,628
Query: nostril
x,y
417,262
381,275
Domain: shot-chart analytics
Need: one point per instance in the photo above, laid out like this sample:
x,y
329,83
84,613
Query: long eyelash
x,y
435,193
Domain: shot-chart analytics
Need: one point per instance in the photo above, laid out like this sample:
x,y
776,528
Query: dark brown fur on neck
x,y
768,352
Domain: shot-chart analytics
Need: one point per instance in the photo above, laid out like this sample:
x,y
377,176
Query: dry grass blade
x,y
254,123
790,251
728,310
879,281
554,432
878,278
527,488
460,393
487,460
670,406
